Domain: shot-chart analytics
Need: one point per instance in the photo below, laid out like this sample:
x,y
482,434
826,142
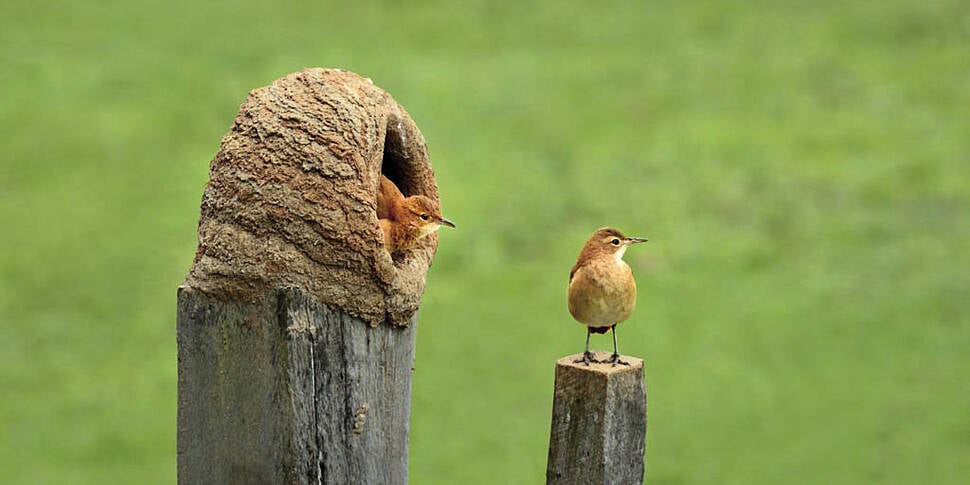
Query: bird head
x,y
610,241
425,214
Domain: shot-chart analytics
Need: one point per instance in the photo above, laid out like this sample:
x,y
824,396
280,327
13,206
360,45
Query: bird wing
x,y
572,272
388,196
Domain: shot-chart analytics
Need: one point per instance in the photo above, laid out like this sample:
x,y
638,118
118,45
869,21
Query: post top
x,y
605,368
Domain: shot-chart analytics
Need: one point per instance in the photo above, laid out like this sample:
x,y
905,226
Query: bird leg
x,y
587,356
615,358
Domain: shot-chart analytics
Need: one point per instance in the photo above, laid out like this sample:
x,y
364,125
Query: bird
x,y
405,220
602,292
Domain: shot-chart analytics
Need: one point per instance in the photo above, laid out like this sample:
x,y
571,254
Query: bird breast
x,y
602,293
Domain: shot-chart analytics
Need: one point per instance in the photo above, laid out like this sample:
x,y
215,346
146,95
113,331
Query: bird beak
x,y
445,222
634,240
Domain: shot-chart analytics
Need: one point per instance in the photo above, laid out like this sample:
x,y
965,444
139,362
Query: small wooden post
x,y
599,422
295,325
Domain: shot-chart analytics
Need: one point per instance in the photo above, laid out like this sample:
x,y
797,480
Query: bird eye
x,y
615,242
424,217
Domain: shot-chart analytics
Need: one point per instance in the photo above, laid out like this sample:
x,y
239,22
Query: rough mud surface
x,y
291,198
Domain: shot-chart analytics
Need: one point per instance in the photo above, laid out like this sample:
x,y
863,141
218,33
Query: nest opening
x,y
396,161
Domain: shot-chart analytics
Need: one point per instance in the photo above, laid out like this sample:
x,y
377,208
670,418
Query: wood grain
x,y
284,389
599,422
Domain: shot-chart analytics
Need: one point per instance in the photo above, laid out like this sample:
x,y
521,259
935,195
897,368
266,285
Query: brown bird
x,y
602,292
405,220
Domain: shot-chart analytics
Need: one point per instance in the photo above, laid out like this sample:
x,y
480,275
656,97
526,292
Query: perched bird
x,y
602,292
405,220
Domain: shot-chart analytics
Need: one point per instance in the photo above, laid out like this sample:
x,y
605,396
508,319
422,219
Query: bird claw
x,y
587,358
615,359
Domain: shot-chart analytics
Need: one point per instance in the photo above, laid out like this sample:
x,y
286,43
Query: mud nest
x,y
291,198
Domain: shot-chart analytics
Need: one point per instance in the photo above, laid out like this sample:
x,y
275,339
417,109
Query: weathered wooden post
x,y
599,422
295,326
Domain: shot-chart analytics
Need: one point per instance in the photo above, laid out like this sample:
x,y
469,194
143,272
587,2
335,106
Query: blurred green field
x,y
802,170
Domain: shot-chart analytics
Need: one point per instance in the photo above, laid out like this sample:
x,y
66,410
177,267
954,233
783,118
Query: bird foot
x,y
615,359
587,358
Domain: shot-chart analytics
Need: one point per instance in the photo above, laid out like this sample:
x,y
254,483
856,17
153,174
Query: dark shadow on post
x,y
295,327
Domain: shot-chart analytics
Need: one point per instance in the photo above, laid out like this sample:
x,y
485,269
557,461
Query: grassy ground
x,y
802,171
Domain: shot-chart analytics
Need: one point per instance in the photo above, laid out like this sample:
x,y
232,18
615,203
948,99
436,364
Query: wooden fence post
x,y
286,390
296,328
599,423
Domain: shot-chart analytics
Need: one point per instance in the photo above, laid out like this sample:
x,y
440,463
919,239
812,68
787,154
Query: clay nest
x,y
291,198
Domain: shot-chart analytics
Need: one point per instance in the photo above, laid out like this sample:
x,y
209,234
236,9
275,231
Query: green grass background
x,y
802,170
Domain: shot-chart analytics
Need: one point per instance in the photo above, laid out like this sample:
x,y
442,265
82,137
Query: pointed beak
x,y
634,240
445,222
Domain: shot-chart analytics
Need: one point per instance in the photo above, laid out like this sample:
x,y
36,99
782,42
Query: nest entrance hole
x,y
396,163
